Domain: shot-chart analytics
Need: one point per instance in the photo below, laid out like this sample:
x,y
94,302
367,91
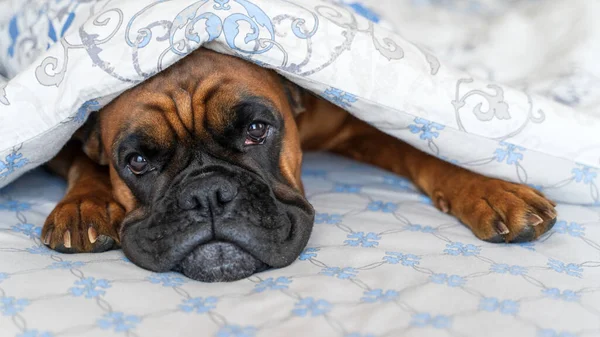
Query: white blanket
x,y
507,88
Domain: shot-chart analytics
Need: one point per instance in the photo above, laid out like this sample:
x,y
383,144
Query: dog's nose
x,y
212,192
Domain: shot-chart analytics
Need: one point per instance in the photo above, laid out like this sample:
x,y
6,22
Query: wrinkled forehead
x,y
163,124
201,92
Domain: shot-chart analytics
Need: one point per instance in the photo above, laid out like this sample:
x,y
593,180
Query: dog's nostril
x,y
226,193
207,192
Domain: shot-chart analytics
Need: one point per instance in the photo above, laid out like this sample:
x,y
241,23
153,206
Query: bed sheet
x,y
381,262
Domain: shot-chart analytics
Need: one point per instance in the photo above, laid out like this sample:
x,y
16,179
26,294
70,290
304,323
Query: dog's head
x,y
205,158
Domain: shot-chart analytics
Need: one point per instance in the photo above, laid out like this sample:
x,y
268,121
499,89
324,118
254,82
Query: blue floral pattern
x,y
273,284
339,97
361,239
10,306
427,130
458,248
89,287
506,307
236,331
167,279
199,305
118,322
311,307
509,153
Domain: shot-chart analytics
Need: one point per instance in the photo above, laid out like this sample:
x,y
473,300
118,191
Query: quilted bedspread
x,y
381,262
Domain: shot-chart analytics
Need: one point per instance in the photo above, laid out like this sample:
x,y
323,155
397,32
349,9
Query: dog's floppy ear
x,y
91,140
295,95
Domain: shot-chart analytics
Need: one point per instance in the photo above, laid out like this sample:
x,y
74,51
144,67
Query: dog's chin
x,y
219,262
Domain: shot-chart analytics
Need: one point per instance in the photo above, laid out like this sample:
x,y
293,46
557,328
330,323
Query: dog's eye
x,y
138,164
256,133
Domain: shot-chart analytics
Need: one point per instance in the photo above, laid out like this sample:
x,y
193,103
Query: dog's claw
x,y
534,220
444,207
67,239
92,234
502,228
551,214
47,237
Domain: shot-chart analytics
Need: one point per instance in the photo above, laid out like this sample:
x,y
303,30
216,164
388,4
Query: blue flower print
x,y
89,287
536,187
66,265
221,5
314,173
199,305
458,248
398,182
311,307
378,295
166,279
341,273
509,153
53,33
347,188
525,245
308,254
451,280
565,295
40,250
326,218
570,269
14,161
279,283
35,333
340,98
426,128
406,259
584,174
554,333
573,229
118,322
365,12
502,268
380,206
14,206
13,31
419,228
360,239
237,331
28,229
10,306
3,276
422,320
506,307
85,109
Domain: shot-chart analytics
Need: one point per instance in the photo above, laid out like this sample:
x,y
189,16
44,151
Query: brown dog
x,y
198,170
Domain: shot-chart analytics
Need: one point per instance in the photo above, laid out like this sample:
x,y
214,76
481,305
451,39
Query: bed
x,y
382,262
479,83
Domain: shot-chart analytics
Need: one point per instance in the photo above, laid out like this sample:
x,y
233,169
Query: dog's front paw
x,y
83,224
499,211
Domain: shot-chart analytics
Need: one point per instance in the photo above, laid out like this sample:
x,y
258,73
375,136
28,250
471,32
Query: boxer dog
x,y
197,170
